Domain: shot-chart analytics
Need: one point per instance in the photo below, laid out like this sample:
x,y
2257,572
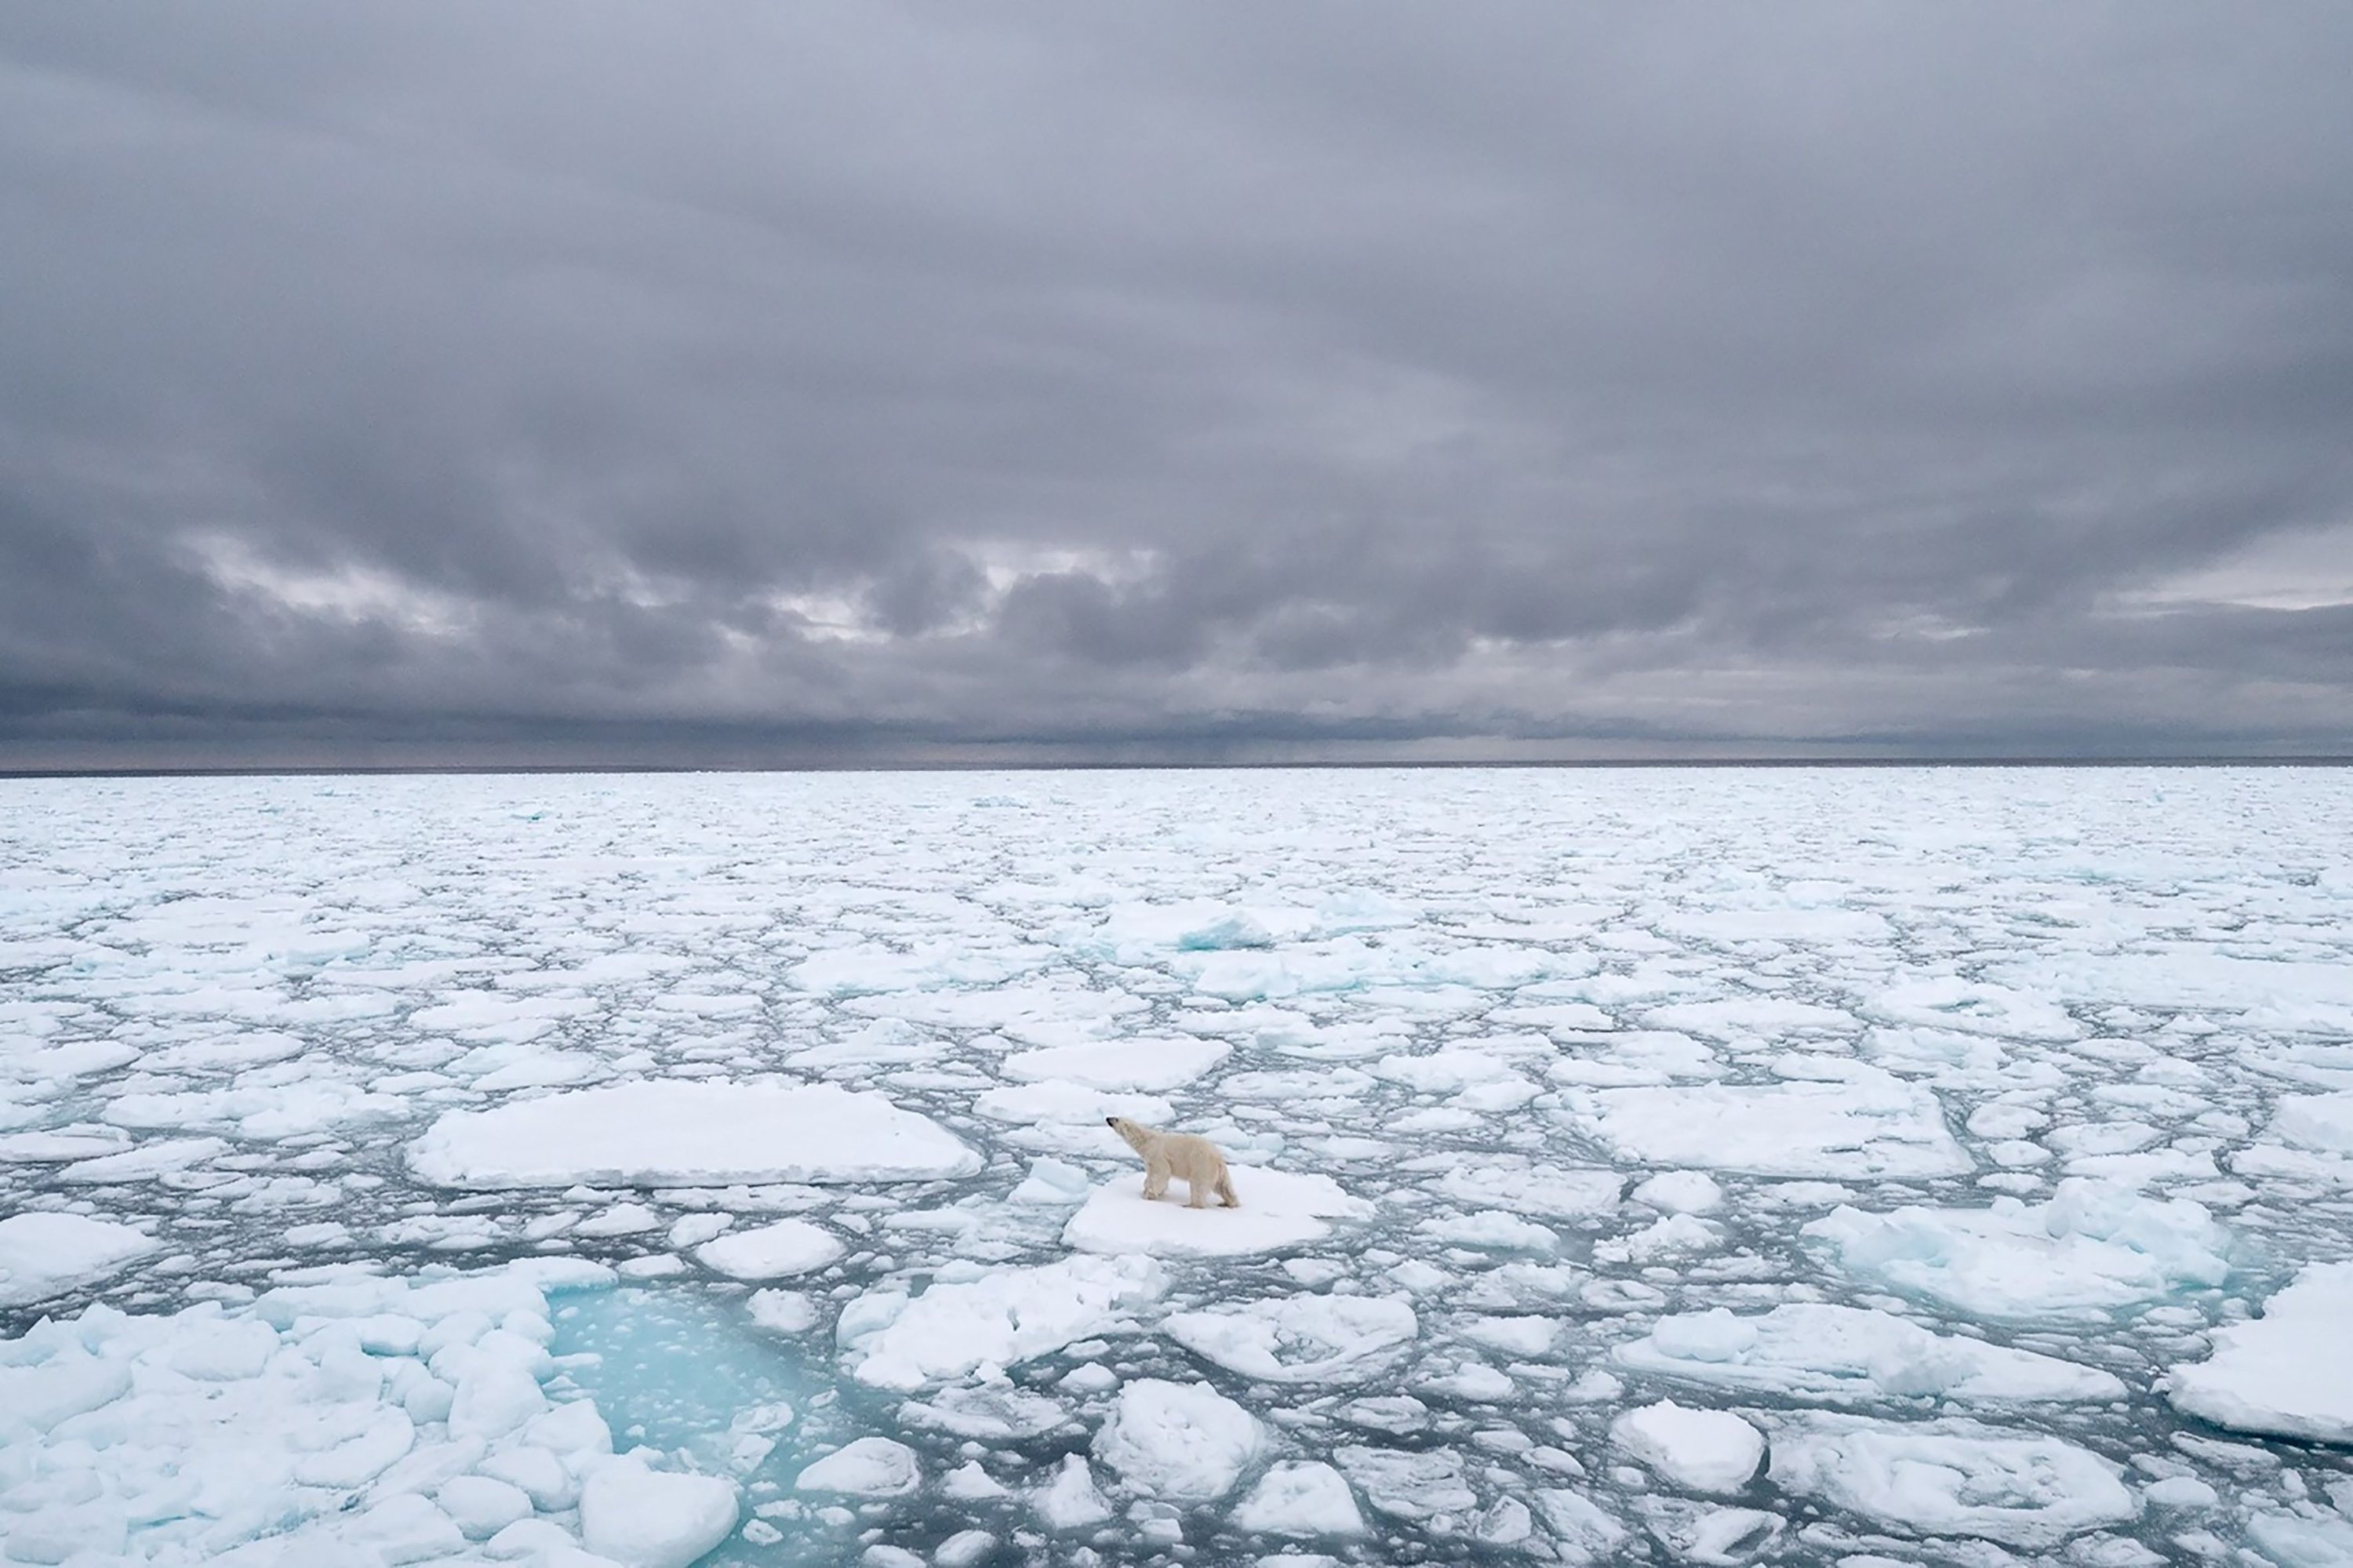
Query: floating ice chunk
x,y
1582,1533
620,1220
2289,1373
1848,1355
1052,1182
1711,1451
1751,1017
482,1507
782,1311
1300,1499
1149,1064
993,1412
1279,1209
46,1255
1062,1102
2316,1121
688,1133
1070,1500
2094,1246
1681,1193
770,1252
145,1162
1421,1486
1524,1186
1952,1477
2296,1542
891,1340
867,1468
1491,1229
57,1147
1716,1537
1522,1336
1846,1119
1300,1339
234,1350
1670,1236
1974,1007
1178,1442
963,1549
654,1518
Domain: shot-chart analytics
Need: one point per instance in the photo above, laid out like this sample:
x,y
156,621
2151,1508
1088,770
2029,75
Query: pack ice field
x,y
1713,1165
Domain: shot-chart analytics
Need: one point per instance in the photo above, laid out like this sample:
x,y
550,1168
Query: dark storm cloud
x,y
406,382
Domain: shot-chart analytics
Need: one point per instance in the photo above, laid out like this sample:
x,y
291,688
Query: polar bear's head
x,y
1135,1132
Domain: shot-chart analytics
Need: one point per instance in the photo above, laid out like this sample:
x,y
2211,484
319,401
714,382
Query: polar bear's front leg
x,y
1156,1176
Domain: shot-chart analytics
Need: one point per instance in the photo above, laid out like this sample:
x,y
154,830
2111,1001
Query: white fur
x,y
1179,1154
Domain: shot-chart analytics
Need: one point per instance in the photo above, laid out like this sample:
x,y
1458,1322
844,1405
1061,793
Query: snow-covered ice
x,y
688,1134
1279,1209
711,1169
1853,1355
2289,1372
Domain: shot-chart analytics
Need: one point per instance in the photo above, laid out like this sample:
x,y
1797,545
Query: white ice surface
x,y
1178,1442
689,1134
772,1251
1300,1339
2289,1372
893,1340
1583,1054
2093,1247
1711,1451
1841,1118
1952,1477
1853,1355
1279,1209
43,1255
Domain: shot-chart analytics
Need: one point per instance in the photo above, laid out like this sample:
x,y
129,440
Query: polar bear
x,y
1167,1154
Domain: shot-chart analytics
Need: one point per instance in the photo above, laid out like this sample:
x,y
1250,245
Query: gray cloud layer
x,y
730,383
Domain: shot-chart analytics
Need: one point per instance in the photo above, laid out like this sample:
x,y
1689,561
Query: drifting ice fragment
x,y
2094,1246
1178,1442
1300,1499
1844,1118
689,1134
1700,1450
891,1340
1952,1477
2289,1373
44,1255
1300,1339
1850,1355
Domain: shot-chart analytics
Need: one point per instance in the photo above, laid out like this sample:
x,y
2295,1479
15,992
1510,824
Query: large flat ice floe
x,y
1853,1355
1952,1477
1301,1339
43,1255
1837,1117
2094,1248
1278,1209
894,1340
2289,1373
689,1134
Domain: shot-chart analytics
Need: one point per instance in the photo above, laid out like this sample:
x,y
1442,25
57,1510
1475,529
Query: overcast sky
x,y
711,383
